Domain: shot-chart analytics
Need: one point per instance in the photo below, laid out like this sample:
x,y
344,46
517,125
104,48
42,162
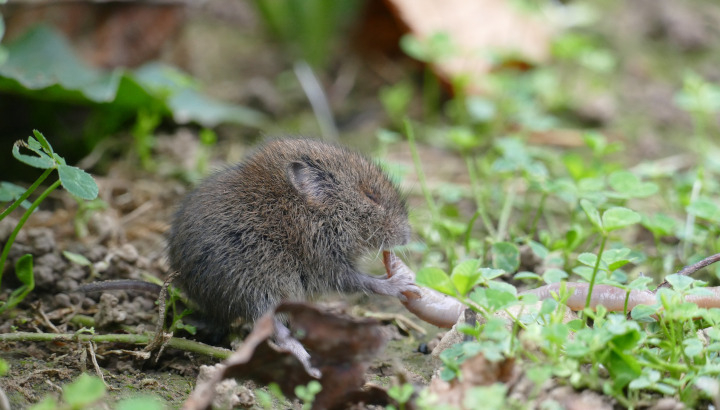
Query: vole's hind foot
x,y
285,341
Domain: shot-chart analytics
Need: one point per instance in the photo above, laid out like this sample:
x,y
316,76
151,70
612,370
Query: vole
x,y
288,223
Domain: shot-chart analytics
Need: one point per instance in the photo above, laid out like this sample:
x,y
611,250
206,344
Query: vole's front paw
x,y
399,286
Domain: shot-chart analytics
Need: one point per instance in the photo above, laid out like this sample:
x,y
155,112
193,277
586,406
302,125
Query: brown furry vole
x,y
288,223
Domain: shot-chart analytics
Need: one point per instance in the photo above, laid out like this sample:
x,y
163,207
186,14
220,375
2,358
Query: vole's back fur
x,y
288,223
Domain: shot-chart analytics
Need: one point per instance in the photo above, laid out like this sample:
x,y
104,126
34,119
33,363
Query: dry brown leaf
x,y
477,28
340,348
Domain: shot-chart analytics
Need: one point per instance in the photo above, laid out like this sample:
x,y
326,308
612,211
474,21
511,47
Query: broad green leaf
x,y
692,346
78,182
43,65
589,259
538,249
584,272
43,161
554,275
629,185
619,217
490,273
623,181
660,224
526,275
24,273
617,264
140,403
84,391
679,282
502,286
499,299
11,192
435,278
556,333
592,213
614,255
191,106
644,313
640,283
43,60
704,208
506,256
464,276
48,403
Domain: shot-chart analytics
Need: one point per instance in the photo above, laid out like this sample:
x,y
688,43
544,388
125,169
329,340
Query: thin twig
x,y
690,269
91,349
48,323
160,338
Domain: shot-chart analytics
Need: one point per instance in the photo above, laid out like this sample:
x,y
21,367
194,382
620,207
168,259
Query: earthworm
x,y
431,306
443,311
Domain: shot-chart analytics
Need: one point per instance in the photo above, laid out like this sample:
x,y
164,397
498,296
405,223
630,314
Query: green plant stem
x,y
505,212
175,342
690,220
540,211
595,270
25,195
479,203
431,93
418,168
23,219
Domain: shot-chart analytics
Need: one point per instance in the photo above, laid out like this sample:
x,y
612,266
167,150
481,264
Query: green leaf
x,y
619,217
48,403
554,275
588,259
490,273
11,192
78,182
499,299
140,403
538,249
191,106
629,185
42,161
704,208
492,299
4,367
43,142
42,64
465,275
679,282
435,278
24,273
77,258
592,213
506,256
84,391
526,275
640,283
693,347
660,224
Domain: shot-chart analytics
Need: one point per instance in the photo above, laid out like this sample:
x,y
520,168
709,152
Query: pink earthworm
x,y
443,311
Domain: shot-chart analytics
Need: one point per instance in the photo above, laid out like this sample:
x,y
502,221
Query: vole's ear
x,y
311,182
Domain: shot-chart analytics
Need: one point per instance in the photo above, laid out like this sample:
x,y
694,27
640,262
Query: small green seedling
x,y
76,181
